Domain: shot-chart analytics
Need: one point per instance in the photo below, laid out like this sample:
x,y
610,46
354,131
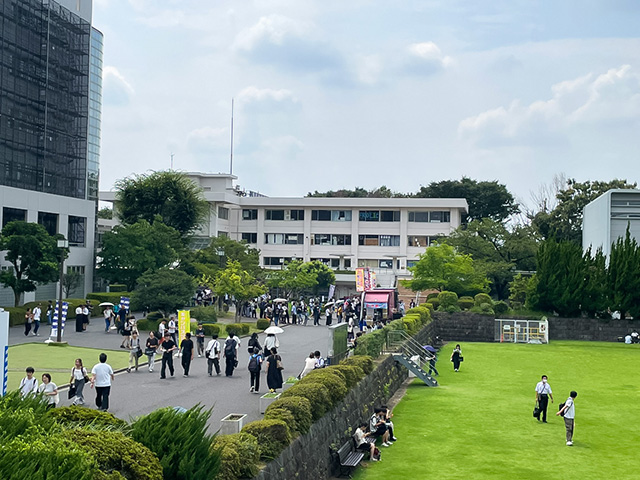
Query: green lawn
x,y
56,360
478,424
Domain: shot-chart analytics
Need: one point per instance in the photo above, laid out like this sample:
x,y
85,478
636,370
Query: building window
x,y
435,217
411,263
283,238
390,216
77,231
420,241
275,261
275,214
379,240
223,234
12,215
369,215
296,215
331,215
418,216
326,261
249,214
389,240
347,263
49,221
385,263
223,213
250,237
331,239
335,263
79,269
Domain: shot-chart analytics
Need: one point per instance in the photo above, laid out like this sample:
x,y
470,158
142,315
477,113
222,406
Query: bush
x,y
155,316
273,436
262,324
314,392
500,307
333,381
363,361
117,287
434,302
483,298
352,373
240,456
372,343
243,328
449,309
180,441
423,313
110,297
429,306
16,315
146,325
448,299
412,323
204,314
465,303
80,416
486,308
432,295
299,407
115,452
211,329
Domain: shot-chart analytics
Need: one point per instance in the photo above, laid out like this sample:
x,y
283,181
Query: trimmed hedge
x,y
81,416
372,343
314,392
117,287
146,325
211,329
262,324
298,406
483,298
286,416
112,297
352,373
273,436
155,316
332,381
465,303
448,299
364,362
422,311
500,307
204,314
240,456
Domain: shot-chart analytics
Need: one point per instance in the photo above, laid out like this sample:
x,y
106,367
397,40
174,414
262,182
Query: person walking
x,y
255,363
49,312
329,314
101,378
29,384
569,414
79,319
543,394
107,319
309,365
28,320
230,354
200,339
254,342
212,353
78,378
134,348
151,349
37,312
456,357
126,333
172,329
274,370
168,346
270,342
186,348
50,390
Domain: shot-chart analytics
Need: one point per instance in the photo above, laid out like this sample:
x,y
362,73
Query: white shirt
x,y
627,339
103,372
79,311
36,314
570,411
172,326
49,388
237,339
360,437
270,342
28,386
161,328
309,365
543,388
78,373
212,346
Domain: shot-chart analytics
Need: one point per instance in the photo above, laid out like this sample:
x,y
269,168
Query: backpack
x,y
230,347
254,364
560,407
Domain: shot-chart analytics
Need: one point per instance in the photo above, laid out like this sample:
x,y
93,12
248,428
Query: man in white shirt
x,y
543,394
569,413
212,352
37,312
102,376
28,385
171,328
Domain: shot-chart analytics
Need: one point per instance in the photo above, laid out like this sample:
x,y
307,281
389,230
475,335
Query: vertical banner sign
x,y
54,322
359,279
332,290
372,279
367,279
124,303
4,349
184,322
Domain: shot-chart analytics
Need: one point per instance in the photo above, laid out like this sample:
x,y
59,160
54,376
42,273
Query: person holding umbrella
x,y
431,352
271,341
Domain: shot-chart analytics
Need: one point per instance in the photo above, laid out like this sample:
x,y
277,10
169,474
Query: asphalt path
x,y
141,392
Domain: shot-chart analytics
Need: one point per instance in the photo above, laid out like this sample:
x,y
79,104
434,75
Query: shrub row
x,y
262,324
207,314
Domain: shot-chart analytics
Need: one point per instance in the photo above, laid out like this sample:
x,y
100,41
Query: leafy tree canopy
x,y
358,192
324,275
486,199
130,250
32,252
564,222
441,267
294,278
105,213
165,289
167,195
207,261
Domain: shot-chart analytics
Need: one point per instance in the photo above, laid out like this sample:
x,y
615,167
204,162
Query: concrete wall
x,y
467,327
590,329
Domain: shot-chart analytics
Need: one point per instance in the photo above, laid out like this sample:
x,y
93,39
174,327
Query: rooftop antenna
x,y
231,157
171,160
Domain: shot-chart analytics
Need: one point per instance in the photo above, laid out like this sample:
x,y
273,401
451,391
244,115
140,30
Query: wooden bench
x,y
349,458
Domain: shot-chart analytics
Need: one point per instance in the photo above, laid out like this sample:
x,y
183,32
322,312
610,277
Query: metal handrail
x,y
408,345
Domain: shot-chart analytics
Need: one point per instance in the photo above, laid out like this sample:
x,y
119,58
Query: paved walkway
x,y
141,392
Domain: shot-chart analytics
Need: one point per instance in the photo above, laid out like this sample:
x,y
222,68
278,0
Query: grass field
x,y
58,361
478,424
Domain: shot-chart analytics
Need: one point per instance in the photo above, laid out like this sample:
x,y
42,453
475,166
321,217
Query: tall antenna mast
x,y
231,158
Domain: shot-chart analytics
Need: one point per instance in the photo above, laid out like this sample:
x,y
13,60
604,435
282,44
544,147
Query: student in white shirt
x,y
28,385
569,411
213,352
102,376
37,312
361,441
543,394
50,390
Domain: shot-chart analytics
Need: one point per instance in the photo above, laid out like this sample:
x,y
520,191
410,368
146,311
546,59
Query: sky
x,y
333,94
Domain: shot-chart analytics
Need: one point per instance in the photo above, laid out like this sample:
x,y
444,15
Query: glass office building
x,y
95,114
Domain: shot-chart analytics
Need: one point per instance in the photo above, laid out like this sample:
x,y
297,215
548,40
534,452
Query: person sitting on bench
x,y
387,414
378,427
361,441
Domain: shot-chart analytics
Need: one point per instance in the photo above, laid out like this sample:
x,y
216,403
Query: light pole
x,y
220,253
63,244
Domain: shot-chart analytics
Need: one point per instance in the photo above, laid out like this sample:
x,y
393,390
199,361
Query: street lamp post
x,y
220,253
63,244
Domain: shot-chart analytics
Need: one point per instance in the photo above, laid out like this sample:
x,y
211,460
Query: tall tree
x,y
130,250
165,289
441,267
624,276
564,222
325,276
33,254
294,278
168,195
358,192
486,199
220,251
594,296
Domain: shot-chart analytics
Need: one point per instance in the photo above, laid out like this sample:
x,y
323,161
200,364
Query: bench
x,y
349,458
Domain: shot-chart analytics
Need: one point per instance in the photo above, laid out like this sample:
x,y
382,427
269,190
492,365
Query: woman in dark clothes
x,y
456,357
253,343
274,374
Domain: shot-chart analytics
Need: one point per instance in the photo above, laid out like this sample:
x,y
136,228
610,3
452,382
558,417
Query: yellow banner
x,y
184,322
359,279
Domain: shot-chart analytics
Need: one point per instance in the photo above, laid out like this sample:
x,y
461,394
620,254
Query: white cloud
x,y
588,100
426,58
272,29
116,89
252,95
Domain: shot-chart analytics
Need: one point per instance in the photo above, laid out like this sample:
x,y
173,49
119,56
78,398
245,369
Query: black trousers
x,y
186,363
255,380
543,403
230,364
102,397
167,359
213,362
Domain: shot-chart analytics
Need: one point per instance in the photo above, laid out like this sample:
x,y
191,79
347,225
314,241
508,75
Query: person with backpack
x,y
186,348
254,342
568,411
212,353
255,364
231,345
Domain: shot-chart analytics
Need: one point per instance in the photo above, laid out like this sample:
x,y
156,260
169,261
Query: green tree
x,y
207,261
518,290
168,195
324,275
130,250
485,199
624,276
33,254
294,278
497,249
594,297
239,284
70,281
166,290
441,267
105,213
359,192
564,222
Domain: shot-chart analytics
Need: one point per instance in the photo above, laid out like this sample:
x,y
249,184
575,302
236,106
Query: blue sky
x,y
332,94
